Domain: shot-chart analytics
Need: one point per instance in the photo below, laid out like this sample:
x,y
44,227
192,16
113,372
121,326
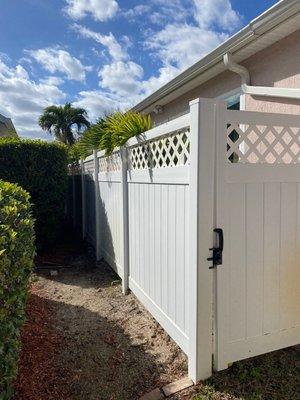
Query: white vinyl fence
x,y
150,210
136,212
158,193
148,183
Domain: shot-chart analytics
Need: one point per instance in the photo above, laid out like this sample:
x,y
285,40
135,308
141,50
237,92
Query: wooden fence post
x,y
97,204
83,206
202,144
125,223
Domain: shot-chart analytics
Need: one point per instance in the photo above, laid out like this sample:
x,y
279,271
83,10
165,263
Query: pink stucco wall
x,y
277,65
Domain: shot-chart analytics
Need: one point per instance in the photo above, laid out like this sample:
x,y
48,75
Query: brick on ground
x,y
177,386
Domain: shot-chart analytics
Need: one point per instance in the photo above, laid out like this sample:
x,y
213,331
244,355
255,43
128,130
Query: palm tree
x,y
59,120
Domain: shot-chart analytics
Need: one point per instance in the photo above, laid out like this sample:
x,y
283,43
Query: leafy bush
x,y
41,169
16,260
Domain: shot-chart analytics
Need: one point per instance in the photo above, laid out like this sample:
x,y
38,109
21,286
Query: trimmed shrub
x,y
41,169
16,261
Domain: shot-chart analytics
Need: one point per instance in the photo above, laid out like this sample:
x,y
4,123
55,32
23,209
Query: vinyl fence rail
x,y
150,210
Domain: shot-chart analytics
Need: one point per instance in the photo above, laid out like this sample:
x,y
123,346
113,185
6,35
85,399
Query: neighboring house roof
x,y
6,127
274,24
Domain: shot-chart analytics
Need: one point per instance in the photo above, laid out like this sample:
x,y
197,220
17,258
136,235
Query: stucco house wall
x,y
277,65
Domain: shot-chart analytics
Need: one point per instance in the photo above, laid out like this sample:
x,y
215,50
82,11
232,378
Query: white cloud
x,y
100,10
122,86
115,50
171,10
137,11
23,100
216,13
52,80
123,91
98,103
54,60
165,74
182,45
21,72
159,12
121,77
190,29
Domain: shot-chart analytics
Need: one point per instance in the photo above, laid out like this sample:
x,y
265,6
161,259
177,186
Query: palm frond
x,y
112,131
121,127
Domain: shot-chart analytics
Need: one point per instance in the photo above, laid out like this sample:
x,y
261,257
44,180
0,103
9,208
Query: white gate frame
x,y
201,237
221,312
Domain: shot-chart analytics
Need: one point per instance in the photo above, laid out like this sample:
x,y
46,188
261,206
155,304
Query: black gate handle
x,y
217,257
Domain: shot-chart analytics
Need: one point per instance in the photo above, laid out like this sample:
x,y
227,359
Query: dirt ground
x,y
115,348
85,341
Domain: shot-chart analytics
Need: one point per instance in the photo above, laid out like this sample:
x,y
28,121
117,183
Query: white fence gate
x,y
150,210
258,207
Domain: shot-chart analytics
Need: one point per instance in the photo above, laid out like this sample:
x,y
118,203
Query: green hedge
x,y
41,169
16,260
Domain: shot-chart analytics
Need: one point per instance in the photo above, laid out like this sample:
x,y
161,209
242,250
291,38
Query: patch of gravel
x,y
115,349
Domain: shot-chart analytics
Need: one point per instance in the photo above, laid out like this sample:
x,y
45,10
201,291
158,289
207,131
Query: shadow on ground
x,y
114,350
101,359
272,376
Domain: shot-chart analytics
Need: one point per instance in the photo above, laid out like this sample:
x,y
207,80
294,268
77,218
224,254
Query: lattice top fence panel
x,y
166,151
89,167
112,163
263,144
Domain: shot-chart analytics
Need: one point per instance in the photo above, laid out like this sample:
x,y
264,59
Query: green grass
x,y
273,376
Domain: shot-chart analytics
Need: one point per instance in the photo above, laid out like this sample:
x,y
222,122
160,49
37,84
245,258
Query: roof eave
x,y
267,21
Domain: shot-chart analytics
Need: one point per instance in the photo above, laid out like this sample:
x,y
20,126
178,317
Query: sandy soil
x,y
84,340
113,345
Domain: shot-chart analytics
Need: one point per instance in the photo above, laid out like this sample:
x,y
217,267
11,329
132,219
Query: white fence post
x,y
83,207
97,204
125,223
202,142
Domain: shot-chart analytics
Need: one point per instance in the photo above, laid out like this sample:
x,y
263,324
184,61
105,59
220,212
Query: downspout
x,y
258,90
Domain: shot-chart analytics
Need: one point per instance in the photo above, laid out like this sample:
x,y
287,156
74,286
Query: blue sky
x,y
104,54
